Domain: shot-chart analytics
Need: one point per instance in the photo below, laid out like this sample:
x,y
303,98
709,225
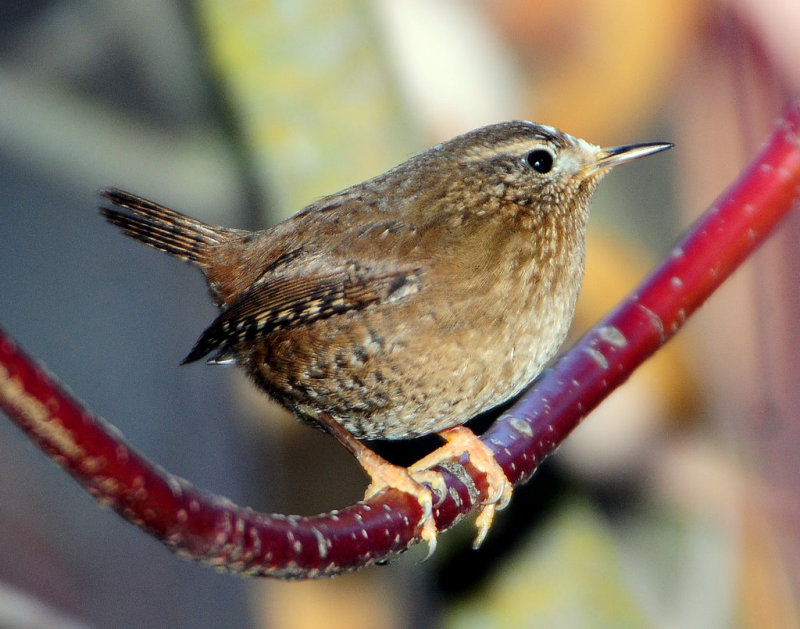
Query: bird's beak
x,y
610,157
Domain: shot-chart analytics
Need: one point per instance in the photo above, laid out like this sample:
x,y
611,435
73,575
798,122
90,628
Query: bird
x,y
406,304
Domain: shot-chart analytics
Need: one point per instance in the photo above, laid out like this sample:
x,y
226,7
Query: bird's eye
x,y
540,160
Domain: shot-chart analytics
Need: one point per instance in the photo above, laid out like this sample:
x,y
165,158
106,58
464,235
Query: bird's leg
x,y
461,440
384,475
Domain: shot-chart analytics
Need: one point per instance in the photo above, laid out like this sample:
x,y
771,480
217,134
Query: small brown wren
x,y
409,303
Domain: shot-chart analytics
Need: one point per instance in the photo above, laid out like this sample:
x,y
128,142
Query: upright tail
x,y
162,228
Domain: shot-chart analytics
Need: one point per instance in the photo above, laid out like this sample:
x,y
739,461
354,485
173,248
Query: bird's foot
x,y
461,440
385,475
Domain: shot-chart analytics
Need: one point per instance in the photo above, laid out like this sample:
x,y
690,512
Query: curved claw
x,y
384,476
461,440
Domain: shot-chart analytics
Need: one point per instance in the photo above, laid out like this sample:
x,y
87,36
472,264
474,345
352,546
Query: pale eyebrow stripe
x,y
527,144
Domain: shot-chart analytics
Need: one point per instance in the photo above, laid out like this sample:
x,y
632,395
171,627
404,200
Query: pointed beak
x,y
610,157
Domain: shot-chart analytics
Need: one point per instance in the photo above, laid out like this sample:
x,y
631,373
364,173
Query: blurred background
x,y
675,504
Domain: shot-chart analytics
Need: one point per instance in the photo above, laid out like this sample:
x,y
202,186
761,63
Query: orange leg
x,y
384,475
461,440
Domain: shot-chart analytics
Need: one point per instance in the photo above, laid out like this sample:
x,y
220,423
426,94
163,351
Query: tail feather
x,y
160,227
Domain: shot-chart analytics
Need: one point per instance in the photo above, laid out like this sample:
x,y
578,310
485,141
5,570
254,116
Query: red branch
x,y
204,527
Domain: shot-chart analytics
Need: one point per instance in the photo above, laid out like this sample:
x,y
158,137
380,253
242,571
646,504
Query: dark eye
x,y
540,160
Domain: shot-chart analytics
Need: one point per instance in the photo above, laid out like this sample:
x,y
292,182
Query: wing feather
x,y
285,302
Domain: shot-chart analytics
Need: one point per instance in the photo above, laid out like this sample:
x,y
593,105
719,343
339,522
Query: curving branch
x,y
204,527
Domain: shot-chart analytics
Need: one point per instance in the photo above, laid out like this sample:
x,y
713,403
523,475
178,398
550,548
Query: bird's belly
x,y
393,376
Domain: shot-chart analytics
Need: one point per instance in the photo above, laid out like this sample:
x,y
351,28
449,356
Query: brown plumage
x,y
408,303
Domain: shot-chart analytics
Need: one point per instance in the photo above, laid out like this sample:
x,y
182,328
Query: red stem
x,y
204,527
